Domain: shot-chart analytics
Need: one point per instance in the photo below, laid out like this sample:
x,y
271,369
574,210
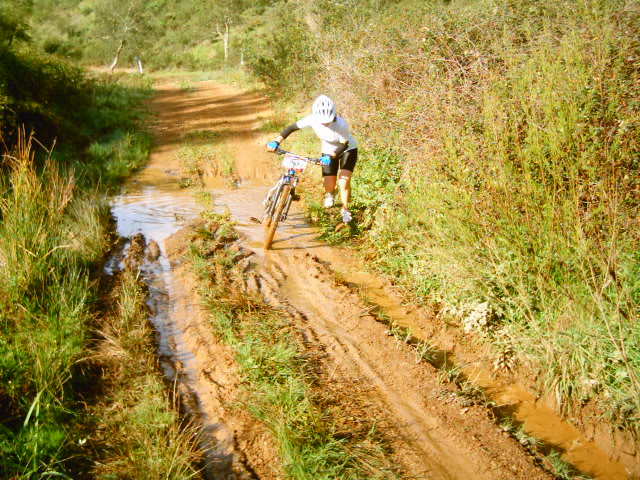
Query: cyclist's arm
x,y
294,127
288,131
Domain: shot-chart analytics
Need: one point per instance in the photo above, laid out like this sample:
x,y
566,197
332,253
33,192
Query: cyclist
x,y
339,150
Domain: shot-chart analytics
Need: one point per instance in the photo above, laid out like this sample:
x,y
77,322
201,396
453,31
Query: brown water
x,y
539,420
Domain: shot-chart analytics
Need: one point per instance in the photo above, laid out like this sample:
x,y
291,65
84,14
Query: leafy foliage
x,y
14,21
510,134
38,92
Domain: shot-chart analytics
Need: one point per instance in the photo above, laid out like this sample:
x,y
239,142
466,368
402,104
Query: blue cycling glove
x,y
325,160
273,144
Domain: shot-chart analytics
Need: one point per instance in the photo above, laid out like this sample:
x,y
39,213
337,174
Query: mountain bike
x,y
278,201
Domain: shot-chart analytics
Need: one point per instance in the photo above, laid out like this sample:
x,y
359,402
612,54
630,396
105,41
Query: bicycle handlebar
x,y
279,151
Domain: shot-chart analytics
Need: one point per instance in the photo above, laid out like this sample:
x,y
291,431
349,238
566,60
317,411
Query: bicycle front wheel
x,y
277,215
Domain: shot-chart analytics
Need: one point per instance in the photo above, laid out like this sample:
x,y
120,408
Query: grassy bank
x,y
55,230
135,427
313,438
49,238
500,164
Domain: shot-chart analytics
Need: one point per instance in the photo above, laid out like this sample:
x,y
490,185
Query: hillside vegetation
x,y
499,159
500,169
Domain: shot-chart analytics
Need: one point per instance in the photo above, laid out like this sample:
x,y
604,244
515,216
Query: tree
x,y
14,20
120,23
225,14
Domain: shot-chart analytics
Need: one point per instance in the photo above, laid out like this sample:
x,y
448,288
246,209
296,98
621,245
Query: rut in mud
x,y
431,431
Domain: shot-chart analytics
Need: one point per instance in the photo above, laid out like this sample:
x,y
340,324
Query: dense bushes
x,y
517,126
39,92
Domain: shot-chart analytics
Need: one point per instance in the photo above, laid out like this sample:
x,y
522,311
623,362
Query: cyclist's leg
x,y
329,183
347,165
344,181
329,176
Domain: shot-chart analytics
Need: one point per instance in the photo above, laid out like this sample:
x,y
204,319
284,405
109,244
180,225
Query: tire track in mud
x,y
362,354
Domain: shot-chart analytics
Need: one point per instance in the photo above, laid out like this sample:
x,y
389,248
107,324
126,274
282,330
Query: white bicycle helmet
x,y
324,109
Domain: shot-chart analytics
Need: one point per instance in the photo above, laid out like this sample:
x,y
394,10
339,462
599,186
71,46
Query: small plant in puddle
x,y
425,352
205,198
561,469
450,373
516,430
470,394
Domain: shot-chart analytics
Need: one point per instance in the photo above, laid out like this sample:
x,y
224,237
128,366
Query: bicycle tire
x,y
277,214
268,212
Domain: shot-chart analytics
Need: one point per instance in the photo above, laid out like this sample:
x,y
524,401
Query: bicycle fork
x,y
272,198
294,182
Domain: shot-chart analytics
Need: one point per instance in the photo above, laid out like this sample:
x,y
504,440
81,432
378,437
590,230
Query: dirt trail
x,y
433,435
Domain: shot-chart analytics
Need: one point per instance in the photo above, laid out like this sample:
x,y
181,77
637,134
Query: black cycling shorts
x,y
346,161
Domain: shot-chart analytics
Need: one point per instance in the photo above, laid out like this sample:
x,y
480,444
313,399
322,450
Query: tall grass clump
x,y
513,129
48,239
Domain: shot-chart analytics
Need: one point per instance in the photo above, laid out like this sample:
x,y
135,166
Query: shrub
x,y
511,135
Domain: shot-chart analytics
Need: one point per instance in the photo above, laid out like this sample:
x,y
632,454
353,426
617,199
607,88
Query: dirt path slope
x,y
434,432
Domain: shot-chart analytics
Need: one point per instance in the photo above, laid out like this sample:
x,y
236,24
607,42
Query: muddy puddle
x,y
511,400
156,208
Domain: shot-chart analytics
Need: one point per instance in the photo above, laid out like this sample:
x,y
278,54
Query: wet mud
x,y
433,432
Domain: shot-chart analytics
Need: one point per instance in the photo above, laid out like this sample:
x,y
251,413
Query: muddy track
x,y
433,432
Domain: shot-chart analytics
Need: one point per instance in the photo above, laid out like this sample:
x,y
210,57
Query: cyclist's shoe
x,y
328,200
346,216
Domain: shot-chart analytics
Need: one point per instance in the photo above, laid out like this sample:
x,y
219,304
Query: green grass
x,y
136,425
312,440
49,238
54,231
499,158
204,153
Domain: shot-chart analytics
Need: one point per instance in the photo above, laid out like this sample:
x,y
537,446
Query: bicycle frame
x,y
288,178
275,210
